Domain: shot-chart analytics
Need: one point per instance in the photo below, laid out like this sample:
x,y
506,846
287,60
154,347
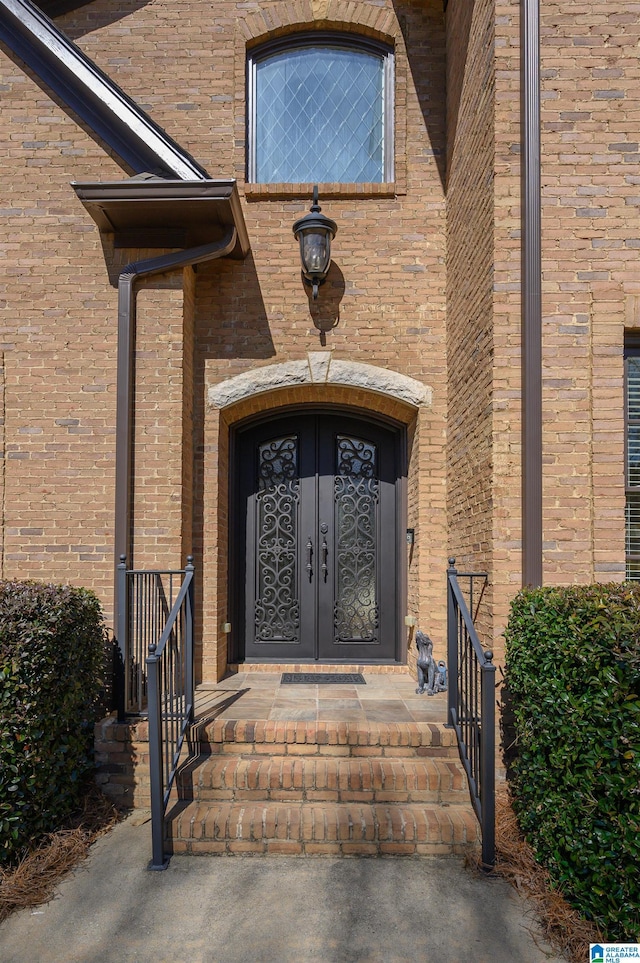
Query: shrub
x,y
573,683
52,667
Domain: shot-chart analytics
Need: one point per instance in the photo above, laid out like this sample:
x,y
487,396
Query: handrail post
x,y
158,859
189,681
488,761
472,713
122,630
452,647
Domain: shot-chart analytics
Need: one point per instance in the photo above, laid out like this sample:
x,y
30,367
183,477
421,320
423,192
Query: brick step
x,y
322,778
294,737
323,828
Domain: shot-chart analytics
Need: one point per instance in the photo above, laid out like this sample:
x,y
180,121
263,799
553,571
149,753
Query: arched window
x,y
320,111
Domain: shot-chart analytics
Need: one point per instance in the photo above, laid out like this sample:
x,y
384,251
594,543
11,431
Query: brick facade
x,y
591,226
470,267
424,282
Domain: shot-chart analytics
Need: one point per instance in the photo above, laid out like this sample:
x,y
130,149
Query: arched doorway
x,y
317,518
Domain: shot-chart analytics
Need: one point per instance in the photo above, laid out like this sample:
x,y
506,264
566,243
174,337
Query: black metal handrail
x,y
145,599
170,693
471,703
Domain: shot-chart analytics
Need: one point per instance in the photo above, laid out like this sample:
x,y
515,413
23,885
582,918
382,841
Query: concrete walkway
x,y
271,910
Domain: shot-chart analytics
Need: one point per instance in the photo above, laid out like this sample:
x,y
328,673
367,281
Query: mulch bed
x,y
33,880
561,924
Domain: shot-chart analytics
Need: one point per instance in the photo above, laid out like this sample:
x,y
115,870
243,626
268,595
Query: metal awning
x,y
153,212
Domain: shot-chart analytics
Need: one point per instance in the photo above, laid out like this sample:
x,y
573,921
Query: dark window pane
x,y
633,525
633,570
633,387
277,606
356,495
633,456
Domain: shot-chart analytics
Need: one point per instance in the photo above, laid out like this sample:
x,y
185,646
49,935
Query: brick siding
x,y
470,266
425,281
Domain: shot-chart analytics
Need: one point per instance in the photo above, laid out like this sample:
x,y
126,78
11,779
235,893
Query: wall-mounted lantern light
x,y
314,231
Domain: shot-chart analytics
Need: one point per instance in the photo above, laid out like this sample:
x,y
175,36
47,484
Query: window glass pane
x,y
277,606
633,387
319,116
633,525
356,496
633,456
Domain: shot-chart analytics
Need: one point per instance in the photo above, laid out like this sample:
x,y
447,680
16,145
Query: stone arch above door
x,y
320,378
320,381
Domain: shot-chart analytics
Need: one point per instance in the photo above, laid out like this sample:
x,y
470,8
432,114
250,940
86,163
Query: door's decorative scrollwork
x,y
277,608
356,495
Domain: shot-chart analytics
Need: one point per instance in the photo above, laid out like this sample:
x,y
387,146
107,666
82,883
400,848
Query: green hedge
x,y
52,671
573,684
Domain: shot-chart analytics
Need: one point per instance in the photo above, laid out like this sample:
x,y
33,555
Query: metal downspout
x,y
531,296
125,389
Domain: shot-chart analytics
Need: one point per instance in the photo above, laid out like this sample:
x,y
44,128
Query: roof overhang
x,y
55,8
114,117
166,213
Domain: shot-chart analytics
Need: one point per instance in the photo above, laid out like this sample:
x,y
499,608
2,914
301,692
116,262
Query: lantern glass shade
x,y
315,252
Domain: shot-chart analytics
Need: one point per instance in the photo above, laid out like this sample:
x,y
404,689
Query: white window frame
x,y
324,39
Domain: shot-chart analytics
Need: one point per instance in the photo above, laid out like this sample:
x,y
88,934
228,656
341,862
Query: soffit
x,y
55,8
166,213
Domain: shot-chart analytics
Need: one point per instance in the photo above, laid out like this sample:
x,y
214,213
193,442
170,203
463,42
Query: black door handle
x,y
309,565
324,528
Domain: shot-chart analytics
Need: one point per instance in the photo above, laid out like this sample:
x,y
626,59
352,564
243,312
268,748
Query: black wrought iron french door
x,y
317,540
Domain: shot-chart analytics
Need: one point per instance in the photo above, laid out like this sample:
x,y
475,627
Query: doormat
x,y
322,678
